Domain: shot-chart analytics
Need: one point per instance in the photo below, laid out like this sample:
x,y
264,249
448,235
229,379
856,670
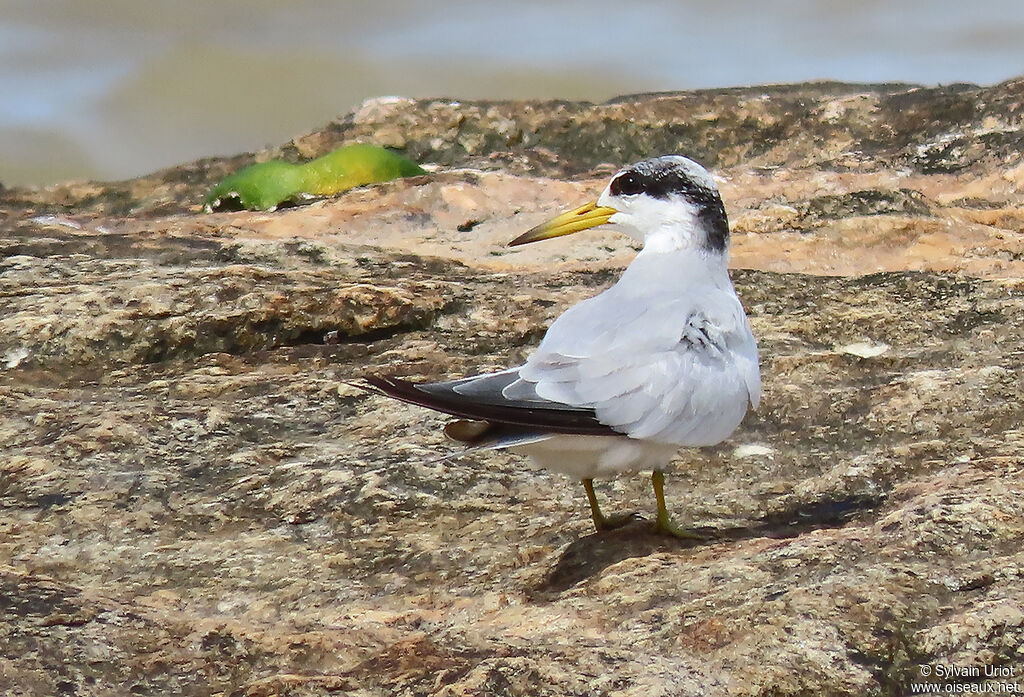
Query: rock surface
x,y
194,502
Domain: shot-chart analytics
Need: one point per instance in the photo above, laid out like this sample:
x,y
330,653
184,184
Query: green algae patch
x,y
268,185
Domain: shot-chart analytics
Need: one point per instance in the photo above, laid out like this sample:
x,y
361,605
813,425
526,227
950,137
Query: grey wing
x,y
674,370
534,416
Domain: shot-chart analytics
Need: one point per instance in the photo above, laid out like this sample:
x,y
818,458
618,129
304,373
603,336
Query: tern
x,y
662,360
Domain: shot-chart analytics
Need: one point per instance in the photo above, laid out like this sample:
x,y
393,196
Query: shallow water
x,y
117,88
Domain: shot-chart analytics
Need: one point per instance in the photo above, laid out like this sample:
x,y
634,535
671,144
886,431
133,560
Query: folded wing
x,y
534,414
678,370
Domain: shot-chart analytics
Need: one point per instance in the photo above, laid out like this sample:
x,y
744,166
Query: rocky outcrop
x,y
196,502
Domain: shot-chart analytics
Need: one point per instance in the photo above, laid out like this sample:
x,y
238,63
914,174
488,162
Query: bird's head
x,y
670,201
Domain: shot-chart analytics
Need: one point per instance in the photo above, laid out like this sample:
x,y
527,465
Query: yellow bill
x,y
582,218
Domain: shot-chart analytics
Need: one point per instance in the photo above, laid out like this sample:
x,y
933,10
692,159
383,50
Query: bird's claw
x,y
616,521
666,526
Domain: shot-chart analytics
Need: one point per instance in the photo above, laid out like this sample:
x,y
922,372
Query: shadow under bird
x,y
663,359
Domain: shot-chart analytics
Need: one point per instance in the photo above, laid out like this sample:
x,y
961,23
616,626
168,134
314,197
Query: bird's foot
x,y
601,521
615,522
664,525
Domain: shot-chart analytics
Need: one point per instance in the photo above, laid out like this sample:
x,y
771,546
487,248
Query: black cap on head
x,y
674,175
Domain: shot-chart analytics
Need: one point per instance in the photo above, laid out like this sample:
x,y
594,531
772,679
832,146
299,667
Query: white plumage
x,y
665,355
663,359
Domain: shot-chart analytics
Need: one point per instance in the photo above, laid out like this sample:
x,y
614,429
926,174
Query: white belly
x,y
587,457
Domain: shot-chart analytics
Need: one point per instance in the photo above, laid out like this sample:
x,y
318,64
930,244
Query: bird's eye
x,y
627,184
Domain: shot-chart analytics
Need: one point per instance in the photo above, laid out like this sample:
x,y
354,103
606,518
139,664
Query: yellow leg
x,y
664,523
600,521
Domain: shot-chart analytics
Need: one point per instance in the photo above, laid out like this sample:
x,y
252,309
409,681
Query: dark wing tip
x,y
561,420
396,388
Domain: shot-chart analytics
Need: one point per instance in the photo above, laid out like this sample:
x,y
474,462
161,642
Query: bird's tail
x,y
476,434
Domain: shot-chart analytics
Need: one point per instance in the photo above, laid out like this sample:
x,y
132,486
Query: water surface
x,y
116,88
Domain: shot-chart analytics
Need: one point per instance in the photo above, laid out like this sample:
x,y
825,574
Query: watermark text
x,y
953,679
